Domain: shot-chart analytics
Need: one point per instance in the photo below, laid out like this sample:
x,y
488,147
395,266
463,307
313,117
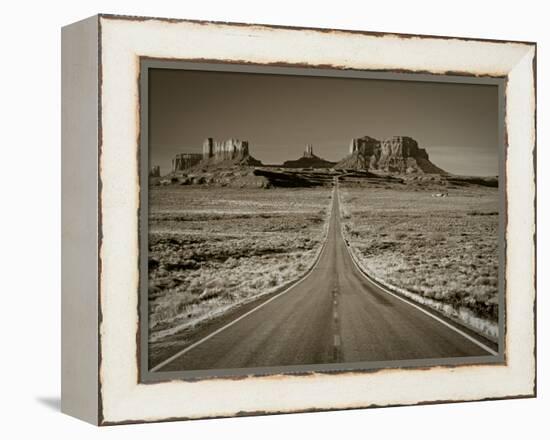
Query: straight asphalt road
x,y
334,314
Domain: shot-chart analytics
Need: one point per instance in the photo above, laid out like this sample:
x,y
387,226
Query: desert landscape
x,y
226,230
432,240
211,249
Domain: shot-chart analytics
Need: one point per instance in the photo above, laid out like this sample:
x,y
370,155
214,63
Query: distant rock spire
x,y
308,160
154,171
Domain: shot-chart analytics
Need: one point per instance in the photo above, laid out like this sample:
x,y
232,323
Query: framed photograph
x,y
262,219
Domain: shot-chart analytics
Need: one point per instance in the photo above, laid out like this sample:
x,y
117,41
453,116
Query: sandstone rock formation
x,y
184,161
398,154
363,154
229,153
308,160
232,151
154,171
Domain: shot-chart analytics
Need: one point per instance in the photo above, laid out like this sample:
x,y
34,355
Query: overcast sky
x,y
279,115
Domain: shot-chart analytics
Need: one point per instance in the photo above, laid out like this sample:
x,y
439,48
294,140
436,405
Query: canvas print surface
x,y
317,221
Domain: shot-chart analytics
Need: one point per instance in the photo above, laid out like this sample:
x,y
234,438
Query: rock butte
x,y
233,151
398,154
184,161
229,163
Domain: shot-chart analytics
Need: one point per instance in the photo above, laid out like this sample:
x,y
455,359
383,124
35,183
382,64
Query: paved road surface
x,y
335,314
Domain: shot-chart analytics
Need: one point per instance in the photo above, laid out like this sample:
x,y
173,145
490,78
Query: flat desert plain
x,y
441,246
213,248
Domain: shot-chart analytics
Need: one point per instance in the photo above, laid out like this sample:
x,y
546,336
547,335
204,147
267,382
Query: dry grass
x,y
442,248
213,248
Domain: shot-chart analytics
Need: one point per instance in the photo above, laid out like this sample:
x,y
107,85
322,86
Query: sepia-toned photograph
x,y
315,222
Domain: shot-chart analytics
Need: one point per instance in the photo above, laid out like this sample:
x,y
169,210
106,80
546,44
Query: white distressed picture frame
x,y
101,202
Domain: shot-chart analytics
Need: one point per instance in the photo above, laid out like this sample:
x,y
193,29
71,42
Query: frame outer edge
x,y
535,203
142,18
79,220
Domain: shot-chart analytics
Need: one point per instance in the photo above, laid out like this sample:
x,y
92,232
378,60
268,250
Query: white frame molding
x,y
119,397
